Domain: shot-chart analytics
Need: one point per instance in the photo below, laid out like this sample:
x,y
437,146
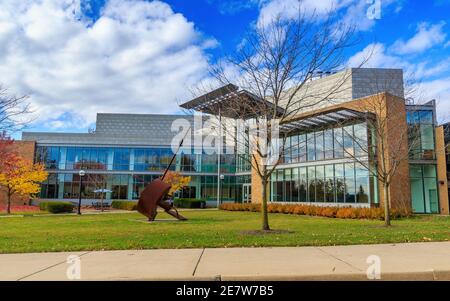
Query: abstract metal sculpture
x,y
155,194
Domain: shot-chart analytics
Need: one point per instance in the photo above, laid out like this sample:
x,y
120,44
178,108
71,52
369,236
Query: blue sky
x,y
75,58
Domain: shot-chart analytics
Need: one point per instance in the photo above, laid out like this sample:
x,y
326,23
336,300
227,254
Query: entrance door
x,y
246,193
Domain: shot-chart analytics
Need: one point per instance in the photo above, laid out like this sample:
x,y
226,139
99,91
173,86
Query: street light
x,y
222,177
81,173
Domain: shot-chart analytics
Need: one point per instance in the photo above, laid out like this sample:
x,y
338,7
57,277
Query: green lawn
x,y
205,229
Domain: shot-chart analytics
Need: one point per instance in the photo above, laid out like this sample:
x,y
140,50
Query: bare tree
x,y
275,66
385,144
12,111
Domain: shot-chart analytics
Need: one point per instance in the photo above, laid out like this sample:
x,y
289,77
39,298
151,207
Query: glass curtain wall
x,y
331,183
424,192
347,182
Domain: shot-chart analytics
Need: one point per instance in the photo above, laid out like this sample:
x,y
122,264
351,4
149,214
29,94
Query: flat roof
x,y
323,120
232,103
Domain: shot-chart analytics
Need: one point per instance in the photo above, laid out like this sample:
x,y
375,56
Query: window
x,y
360,140
329,183
424,192
312,184
350,192
121,159
328,144
311,148
294,149
338,143
295,185
319,145
348,141
303,185
302,148
320,184
421,135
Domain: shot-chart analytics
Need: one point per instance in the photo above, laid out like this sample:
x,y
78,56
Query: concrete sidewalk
x,y
415,261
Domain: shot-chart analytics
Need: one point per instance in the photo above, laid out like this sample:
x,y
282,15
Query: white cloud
x,y
375,56
137,57
351,12
426,37
440,90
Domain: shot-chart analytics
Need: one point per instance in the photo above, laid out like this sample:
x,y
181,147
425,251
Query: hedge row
x,y
331,212
189,203
56,207
124,205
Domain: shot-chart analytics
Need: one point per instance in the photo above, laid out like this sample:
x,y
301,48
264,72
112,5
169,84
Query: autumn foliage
x,y
19,176
324,211
176,180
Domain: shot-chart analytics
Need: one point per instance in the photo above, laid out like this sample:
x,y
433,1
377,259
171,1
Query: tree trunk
x,y
265,217
8,206
387,213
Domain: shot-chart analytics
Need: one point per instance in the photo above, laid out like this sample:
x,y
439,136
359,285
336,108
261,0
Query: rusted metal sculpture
x,y
155,194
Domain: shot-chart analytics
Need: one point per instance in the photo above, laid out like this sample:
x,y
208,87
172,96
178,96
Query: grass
x,y
205,229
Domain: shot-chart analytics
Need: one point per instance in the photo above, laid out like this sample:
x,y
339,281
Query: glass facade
x,y
422,154
130,186
125,171
332,183
343,180
424,191
129,159
421,135
333,143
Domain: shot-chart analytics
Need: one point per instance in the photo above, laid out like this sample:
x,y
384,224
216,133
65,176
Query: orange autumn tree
x,y
20,177
177,181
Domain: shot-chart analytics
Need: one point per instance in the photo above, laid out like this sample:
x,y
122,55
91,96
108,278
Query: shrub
x,y
56,207
189,203
325,211
124,205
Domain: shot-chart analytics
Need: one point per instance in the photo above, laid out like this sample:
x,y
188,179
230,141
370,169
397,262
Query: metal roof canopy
x,y
232,103
323,120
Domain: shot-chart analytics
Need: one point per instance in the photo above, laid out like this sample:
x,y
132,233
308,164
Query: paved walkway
x,y
416,261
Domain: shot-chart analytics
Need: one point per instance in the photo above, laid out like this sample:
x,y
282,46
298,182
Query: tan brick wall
x,y
442,171
26,149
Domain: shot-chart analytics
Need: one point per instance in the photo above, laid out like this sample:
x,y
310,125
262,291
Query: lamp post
x,y
81,173
222,177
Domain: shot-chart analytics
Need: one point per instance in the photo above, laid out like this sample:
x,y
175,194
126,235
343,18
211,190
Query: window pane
x,y
431,196
319,146
415,171
429,171
360,139
329,190
328,141
426,117
338,143
348,141
350,190
302,148
340,190
362,189
339,170
329,171
418,203
311,147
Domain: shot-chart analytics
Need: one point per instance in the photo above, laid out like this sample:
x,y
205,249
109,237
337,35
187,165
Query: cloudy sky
x,y
75,58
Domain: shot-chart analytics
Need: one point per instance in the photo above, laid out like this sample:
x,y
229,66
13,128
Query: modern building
x,y
324,163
